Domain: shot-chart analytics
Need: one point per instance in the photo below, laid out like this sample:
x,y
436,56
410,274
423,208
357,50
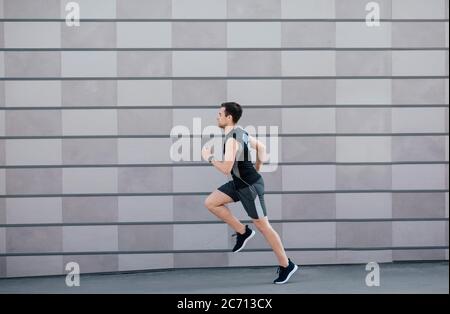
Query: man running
x,y
246,185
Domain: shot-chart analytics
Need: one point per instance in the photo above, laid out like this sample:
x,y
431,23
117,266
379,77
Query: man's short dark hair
x,y
234,109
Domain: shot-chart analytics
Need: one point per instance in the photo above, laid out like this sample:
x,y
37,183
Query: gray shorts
x,y
252,198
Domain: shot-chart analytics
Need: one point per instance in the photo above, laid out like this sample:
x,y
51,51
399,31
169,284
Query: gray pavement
x,y
418,277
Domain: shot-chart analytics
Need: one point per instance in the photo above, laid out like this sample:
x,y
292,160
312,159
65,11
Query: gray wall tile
x,y
199,34
199,9
146,208
423,34
254,34
309,235
308,34
417,233
89,35
94,263
191,208
144,9
183,260
145,180
90,180
34,181
34,239
309,92
363,63
363,205
294,9
363,120
89,151
89,238
140,121
144,63
363,177
254,9
217,237
33,123
89,209
199,63
418,255
199,92
309,206
418,9
145,261
423,176
33,210
31,35
146,238
89,93
31,9
312,149
309,177
157,34
1,35
2,211
418,148
254,63
20,266
363,234
418,91
3,266
418,205
33,64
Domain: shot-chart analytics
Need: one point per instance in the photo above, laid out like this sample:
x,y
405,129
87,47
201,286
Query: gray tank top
x,y
243,167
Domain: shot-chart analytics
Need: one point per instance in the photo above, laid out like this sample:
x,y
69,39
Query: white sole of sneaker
x,y
246,240
289,276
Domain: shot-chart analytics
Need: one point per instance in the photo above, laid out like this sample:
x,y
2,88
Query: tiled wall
x,y
85,173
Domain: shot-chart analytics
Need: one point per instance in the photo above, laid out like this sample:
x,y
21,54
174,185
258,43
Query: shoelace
x,y
281,269
237,234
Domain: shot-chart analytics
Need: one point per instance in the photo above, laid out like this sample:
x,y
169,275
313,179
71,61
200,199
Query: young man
x,y
247,186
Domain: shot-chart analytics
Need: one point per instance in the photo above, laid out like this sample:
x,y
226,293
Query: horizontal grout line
x,y
180,78
229,251
206,164
215,107
207,136
235,49
203,222
214,20
207,193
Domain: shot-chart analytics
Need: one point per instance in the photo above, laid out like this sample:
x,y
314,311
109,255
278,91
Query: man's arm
x,y
260,148
225,166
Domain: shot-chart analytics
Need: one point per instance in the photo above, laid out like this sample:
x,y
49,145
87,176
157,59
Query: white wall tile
x,y
90,180
199,63
254,34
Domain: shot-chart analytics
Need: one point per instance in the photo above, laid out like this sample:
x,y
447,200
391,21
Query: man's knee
x,y
262,225
209,203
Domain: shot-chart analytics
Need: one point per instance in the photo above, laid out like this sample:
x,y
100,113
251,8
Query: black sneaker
x,y
284,273
242,239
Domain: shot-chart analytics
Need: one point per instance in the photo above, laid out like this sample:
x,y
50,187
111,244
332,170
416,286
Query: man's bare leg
x,y
273,239
215,202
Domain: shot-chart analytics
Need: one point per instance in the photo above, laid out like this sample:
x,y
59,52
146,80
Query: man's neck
x,y
228,128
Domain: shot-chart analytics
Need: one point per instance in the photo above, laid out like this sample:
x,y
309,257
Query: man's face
x,y
222,119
